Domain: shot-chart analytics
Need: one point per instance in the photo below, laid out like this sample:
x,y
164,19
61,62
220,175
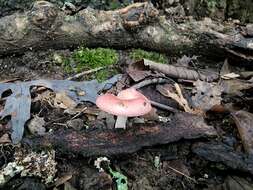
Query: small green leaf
x,y
121,180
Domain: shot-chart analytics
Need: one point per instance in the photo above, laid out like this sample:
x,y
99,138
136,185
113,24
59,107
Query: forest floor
x,y
217,157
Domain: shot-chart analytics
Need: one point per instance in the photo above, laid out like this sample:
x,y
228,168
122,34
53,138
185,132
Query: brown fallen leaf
x,y
206,95
5,139
244,123
235,86
138,71
179,72
62,100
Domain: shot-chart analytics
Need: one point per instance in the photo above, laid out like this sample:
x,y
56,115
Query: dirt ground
x,y
222,161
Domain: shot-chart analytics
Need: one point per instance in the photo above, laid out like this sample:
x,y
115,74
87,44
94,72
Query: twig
x,y
85,73
181,173
79,113
150,81
162,106
156,81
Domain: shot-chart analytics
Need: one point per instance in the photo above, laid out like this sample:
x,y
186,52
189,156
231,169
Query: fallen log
x,y
111,142
222,153
136,26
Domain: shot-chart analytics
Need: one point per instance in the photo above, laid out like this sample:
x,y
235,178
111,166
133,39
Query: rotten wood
x,y
138,25
111,142
222,153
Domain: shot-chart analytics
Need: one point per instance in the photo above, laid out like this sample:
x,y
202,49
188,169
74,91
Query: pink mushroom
x,y
128,103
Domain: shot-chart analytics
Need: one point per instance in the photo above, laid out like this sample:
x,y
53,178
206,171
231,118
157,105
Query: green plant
x,y
85,59
138,54
93,58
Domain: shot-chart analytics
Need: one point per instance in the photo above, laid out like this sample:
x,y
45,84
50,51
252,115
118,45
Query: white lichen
x,y
98,162
31,164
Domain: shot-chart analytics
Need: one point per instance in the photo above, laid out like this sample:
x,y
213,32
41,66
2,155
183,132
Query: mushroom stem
x,y
121,122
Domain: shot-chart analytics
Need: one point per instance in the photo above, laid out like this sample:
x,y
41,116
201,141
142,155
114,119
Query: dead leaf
x,y
18,104
5,139
185,61
68,186
35,126
225,69
62,180
244,123
138,71
62,100
206,95
230,76
177,95
234,86
179,72
76,124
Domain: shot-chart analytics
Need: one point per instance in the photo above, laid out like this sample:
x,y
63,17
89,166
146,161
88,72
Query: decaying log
x,y
222,153
111,142
136,26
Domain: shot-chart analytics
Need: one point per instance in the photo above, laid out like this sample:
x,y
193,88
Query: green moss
x,y
84,59
138,54
104,74
93,58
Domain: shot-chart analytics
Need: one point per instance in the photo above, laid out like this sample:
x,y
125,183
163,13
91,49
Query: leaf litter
x,y
18,104
196,95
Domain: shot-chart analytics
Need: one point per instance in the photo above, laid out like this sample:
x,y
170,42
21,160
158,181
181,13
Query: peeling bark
x,y
136,26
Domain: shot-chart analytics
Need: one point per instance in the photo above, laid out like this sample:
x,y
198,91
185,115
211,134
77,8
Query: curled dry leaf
x,y
206,95
244,123
177,95
178,72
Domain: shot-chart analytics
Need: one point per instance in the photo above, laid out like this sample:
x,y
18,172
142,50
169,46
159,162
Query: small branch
x,y
181,173
164,107
85,73
149,82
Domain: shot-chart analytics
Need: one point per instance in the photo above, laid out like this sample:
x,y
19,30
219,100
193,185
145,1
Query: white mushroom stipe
x,y
121,122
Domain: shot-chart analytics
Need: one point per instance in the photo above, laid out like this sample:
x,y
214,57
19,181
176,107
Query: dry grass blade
x,y
181,173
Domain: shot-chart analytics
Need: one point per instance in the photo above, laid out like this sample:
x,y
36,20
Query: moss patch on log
x,y
85,59
138,54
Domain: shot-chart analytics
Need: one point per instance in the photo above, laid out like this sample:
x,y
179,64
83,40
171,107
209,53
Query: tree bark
x,y
136,26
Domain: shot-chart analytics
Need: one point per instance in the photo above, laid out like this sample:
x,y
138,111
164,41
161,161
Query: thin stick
x,y
150,81
164,107
85,73
181,173
78,114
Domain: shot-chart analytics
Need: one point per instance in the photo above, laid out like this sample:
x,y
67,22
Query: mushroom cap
x,y
129,103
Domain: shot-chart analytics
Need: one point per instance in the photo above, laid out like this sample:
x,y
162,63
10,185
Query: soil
x,y
177,160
